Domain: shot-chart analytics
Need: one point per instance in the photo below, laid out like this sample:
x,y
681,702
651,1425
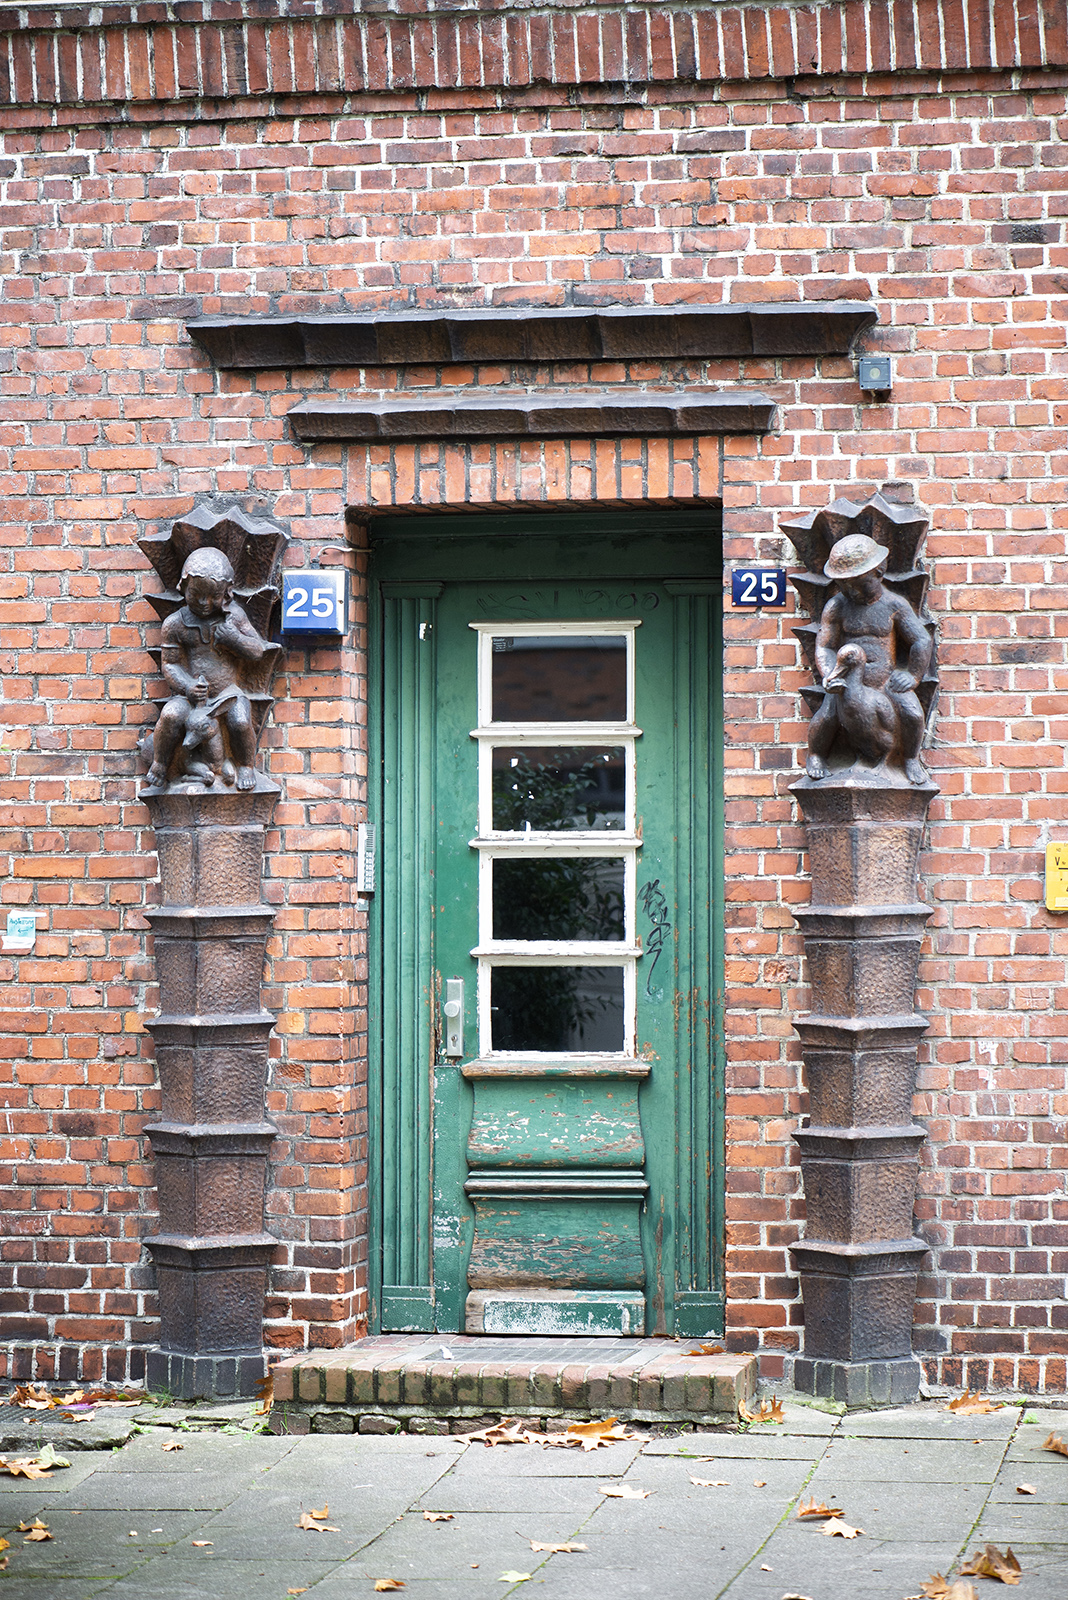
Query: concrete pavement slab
x,y
1046,1474
479,1542
843,1570
929,1422
220,1451
60,1481
744,1446
547,1461
207,1578
904,1461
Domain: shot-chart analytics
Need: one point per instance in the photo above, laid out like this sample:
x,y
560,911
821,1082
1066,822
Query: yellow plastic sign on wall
x,y
1057,877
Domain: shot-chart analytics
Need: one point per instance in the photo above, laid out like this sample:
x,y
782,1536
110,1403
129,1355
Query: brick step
x,y
441,1383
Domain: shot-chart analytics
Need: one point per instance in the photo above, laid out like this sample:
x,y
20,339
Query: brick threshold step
x,y
443,1382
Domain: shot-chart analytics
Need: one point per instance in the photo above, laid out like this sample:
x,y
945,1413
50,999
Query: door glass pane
x,y
560,678
557,1008
558,897
552,787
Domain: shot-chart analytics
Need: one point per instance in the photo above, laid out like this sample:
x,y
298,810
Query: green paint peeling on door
x,y
547,779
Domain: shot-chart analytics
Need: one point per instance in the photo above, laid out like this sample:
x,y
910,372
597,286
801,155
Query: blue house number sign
x,y
315,604
758,586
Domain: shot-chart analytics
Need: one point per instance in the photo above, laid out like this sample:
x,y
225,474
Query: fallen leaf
x,y
557,1549
34,1397
1026,1488
437,1516
296,1591
990,1563
1055,1442
972,1404
939,1588
707,1350
24,1467
312,1522
767,1411
623,1491
202,1544
47,1457
811,1509
35,1531
766,1568
711,1483
3,1563
593,1434
760,1483
320,1516
500,1434
265,1390
173,1444
514,1577
842,1529
382,1584
5,1544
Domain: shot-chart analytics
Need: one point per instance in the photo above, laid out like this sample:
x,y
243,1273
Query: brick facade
x,y
153,171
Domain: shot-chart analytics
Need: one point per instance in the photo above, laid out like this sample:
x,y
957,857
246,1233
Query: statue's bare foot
x,y
246,778
157,776
914,772
815,768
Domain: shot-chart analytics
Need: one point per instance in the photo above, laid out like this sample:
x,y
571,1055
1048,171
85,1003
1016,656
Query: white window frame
x,y
498,845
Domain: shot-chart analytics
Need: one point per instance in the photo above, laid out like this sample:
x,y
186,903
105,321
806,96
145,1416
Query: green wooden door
x,y
546,933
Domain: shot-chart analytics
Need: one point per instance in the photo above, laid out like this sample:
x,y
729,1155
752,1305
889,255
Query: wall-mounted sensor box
x,y
875,374
315,605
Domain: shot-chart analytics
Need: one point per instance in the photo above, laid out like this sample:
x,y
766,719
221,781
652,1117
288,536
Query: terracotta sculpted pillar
x,y
210,805
864,800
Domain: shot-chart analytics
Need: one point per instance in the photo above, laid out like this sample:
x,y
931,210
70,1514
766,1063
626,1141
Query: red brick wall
x,y
119,220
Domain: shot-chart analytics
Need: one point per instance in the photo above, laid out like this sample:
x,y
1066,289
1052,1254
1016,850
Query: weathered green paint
x,y
584,1122
541,1240
504,1146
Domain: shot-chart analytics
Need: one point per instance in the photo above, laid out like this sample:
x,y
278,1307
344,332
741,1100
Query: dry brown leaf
x,y
990,1563
312,1522
265,1390
972,1404
707,1350
24,1467
383,1584
836,1527
557,1549
499,1433
35,1531
711,1483
437,1516
767,1411
202,1544
296,1591
810,1508
1026,1488
34,1397
760,1483
623,1491
5,1544
1057,1444
320,1516
173,1444
593,1434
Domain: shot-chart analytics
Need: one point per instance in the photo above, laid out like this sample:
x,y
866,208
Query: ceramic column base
x,y
199,1377
860,1385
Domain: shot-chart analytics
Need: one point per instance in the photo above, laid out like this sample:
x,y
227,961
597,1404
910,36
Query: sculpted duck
x,y
871,652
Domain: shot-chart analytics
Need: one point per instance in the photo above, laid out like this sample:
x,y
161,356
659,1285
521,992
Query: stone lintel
x,y
498,333
570,413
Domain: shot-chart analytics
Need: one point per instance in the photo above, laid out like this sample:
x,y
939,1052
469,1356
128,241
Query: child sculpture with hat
x,y
204,645
871,652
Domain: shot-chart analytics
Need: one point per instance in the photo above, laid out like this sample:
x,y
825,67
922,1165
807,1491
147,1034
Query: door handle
x,y
454,1018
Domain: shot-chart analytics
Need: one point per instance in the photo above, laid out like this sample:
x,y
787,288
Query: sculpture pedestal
x,y
212,1141
859,1259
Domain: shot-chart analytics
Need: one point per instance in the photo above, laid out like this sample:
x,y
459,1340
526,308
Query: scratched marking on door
x,y
655,906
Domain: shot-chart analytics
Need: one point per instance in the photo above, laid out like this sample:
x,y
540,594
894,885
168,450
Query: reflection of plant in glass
x,y
542,1008
532,795
548,898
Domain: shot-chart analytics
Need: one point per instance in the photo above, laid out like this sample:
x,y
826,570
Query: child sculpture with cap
x,y
204,644
871,652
